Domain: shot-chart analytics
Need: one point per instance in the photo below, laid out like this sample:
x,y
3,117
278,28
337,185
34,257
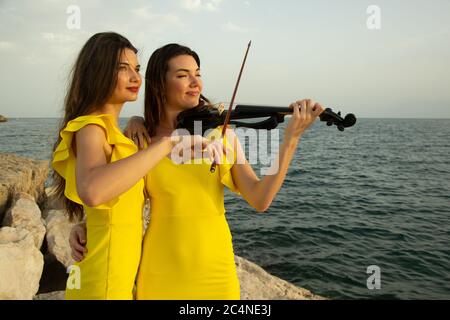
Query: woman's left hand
x,y
305,113
136,131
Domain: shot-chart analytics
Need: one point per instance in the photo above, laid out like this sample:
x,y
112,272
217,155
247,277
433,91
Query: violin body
x,y
212,118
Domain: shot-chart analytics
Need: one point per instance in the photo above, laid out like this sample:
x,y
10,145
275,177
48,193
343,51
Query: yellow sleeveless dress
x,y
187,251
114,229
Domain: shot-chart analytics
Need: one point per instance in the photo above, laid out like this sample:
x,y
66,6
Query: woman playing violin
x,y
187,250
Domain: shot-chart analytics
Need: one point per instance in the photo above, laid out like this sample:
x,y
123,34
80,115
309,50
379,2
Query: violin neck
x,y
259,111
242,111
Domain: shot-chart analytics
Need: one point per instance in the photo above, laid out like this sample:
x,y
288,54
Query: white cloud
x,y
197,5
147,14
229,26
143,12
5,45
49,36
192,4
59,38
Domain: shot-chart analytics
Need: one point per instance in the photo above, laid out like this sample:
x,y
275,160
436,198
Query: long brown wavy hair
x,y
155,83
92,82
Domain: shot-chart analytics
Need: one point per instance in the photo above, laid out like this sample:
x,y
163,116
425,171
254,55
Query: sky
x,y
376,59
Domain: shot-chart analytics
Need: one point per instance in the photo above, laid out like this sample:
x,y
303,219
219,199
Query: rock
x,y
257,284
3,119
20,174
58,231
25,214
21,264
55,295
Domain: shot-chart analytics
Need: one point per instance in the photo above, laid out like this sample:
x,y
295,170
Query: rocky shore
x,y
34,249
3,119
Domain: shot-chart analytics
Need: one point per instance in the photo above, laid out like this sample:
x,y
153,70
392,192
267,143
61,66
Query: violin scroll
x,y
335,118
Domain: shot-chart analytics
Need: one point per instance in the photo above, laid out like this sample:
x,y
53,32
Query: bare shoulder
x,y
91,132
90,138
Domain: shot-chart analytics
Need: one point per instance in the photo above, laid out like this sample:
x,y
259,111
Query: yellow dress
x,y
187,251
114,229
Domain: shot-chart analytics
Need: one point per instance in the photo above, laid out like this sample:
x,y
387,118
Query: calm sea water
x,y
376,194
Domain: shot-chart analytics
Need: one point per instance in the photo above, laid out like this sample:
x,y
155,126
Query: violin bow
x,y
227,118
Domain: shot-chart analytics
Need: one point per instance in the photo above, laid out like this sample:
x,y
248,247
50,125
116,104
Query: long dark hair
x,y
155,83
92,82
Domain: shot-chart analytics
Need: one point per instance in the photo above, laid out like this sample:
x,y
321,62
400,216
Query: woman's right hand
x,y
77,241
195,146
136,131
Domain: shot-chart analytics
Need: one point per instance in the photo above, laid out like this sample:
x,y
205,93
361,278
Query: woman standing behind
x,y
100,171
187,250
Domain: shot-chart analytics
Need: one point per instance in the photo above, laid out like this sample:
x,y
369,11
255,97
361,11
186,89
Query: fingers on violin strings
x,y
296,111
304,103
310,104
304,111
318,109
302,106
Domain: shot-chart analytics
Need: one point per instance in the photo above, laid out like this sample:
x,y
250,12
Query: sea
x,y
362,214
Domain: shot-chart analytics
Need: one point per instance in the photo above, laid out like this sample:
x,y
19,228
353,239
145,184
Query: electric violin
x,y
211,117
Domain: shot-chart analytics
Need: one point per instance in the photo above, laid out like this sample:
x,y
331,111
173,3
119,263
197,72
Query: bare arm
x,y
259,193
98,181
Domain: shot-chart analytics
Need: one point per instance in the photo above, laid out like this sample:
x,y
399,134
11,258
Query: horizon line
x,y
126,117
